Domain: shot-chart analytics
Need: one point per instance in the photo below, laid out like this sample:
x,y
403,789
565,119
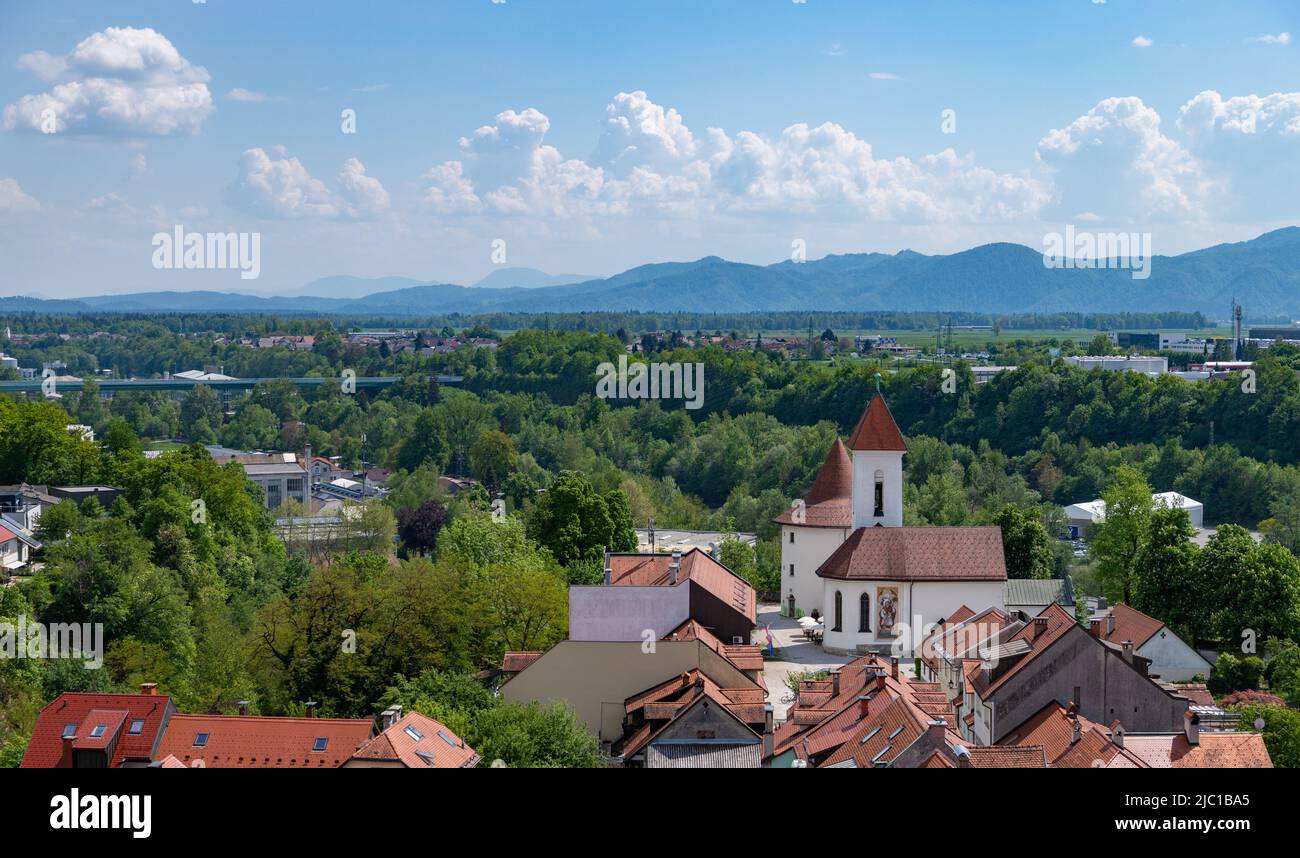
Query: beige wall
x,y
597,677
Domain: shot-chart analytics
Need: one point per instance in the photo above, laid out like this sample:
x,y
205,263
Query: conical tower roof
x,y
829,503
876,429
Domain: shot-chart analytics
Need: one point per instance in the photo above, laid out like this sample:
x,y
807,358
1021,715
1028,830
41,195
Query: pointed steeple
x,y
835,479
876,429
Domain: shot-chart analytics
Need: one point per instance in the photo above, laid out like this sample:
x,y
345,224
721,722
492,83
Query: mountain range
x,y
1263,274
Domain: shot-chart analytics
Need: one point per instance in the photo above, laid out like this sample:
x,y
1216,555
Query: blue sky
x,y
594,136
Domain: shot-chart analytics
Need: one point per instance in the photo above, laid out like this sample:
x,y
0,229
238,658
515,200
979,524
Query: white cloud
x,y
281,188
648,160
1142,42
883,76
284,188
249,96
1116,162
1249,143
119,81
363,196
1272,39
14,199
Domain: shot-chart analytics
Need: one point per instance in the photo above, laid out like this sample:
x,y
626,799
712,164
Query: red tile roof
x,y
514,662
962,634
919,554
1052,727
249,741
876,429
653,570
45,749
659,706
436,747
1131,625
829,503
1059,621
1021,757
1215,751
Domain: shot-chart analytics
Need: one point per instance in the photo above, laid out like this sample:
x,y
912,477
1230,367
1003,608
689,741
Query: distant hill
x,y
528,278
1263,274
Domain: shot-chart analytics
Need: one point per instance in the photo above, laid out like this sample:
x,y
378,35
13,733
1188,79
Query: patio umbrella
x,y
807,622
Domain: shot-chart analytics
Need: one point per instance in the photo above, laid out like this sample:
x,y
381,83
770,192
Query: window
x,y
201,740
839,612
98,731
880,494
791,570
69,731
137,727
426,756
864,612
295,486
320,744
448,739
792,537
414,733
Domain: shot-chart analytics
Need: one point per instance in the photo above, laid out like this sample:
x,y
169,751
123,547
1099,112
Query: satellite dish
x,y
1259,723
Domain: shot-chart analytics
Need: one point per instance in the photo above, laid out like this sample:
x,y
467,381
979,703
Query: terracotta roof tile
x,y
829,503
919,554
876,429
1017,757
654,570
251,741
419,742
1131,625
514,662
45,748
1215,751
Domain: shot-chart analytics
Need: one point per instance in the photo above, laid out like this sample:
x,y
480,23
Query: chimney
x,y
1110,623
835,683
1094,628
243,706
65,756
699,681
1127,651
674,566
936,730
609,573
150,688
311,708
864,706
768,737
962,753
390,716
880,681
1117,735
1040,626
1076,729
893,666
1192,727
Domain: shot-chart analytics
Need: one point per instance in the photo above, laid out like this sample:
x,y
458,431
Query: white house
x,y
1172,659
846,554
1080,515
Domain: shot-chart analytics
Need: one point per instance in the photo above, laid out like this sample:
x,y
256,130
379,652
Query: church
x,y
846,554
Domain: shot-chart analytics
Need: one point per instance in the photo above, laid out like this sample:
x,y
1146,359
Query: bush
x,y
1235,674
1281,731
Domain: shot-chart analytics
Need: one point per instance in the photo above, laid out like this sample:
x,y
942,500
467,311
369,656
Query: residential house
x,y
1171,658
1028,662
690,722
650,595
413,741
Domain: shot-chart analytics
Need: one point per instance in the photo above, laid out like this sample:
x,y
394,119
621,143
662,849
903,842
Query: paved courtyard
x,y
799,654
